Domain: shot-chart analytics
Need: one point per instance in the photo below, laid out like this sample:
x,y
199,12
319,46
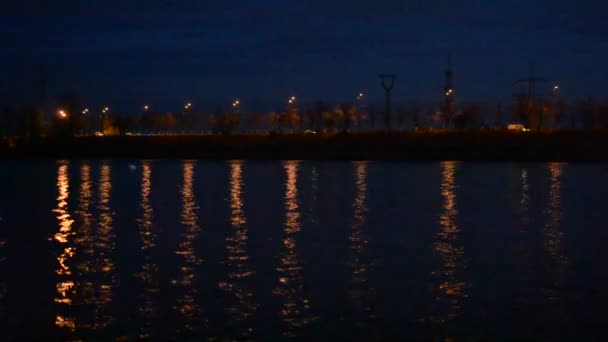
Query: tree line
x,y
38,120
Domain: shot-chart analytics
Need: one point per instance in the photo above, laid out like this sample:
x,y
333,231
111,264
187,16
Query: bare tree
x,y
468,114
373,112
498,116
589,109
320,108
402,113
416,113
348,113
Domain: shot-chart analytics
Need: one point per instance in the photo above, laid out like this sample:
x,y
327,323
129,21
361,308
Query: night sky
x,y
127,53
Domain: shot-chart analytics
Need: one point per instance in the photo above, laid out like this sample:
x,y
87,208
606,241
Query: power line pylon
x,y
531,104
388,83
448,99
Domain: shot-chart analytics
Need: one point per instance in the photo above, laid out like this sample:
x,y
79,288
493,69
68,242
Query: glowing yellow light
x,y
62,113
146,107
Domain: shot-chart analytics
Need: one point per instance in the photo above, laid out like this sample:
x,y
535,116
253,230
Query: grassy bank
x,y
449,145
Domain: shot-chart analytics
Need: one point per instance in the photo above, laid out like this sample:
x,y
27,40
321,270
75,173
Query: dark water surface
x,y
264,250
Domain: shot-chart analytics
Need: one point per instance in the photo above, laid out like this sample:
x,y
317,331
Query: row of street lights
x,y
63,114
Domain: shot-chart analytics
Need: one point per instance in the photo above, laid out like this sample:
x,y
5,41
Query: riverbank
x,y
449,145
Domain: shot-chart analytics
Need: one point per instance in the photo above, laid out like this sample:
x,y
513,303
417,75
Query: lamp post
x,y
291,111
359,108
234,120
84,130
104,112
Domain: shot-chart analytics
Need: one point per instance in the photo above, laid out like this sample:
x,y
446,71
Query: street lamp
x,y
359,108
188,105
105,110
236,103
292,100
146,107
62,113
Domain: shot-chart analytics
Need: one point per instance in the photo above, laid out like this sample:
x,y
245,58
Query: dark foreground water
x,y
264,250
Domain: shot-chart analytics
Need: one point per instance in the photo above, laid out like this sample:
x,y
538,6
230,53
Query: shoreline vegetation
x,y
562,145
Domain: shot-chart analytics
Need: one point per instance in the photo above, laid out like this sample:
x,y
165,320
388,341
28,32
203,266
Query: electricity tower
x,y
530,98
448,99
388,83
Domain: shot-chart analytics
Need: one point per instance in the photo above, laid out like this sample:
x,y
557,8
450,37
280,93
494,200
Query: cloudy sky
x,y
127,53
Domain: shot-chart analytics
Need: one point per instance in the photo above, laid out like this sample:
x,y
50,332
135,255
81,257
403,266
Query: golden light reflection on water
x,y
148,273
239,270
85,246
105,245
187,304
452,289
84,214
65,281
295,312
360,267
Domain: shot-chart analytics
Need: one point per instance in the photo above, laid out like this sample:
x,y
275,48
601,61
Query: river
x,y
250,250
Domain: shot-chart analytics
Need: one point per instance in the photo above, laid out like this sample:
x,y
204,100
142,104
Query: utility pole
x,y
448,99
531,81
388,83
360,108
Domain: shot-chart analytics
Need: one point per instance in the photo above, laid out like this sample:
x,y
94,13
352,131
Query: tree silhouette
x,y
30,122
498,116
416,113
349,114
588,110
373,112
320,108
